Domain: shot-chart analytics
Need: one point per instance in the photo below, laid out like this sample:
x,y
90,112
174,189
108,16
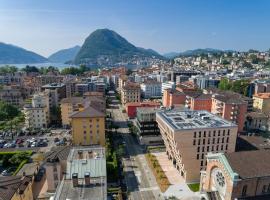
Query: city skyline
x,y
46,27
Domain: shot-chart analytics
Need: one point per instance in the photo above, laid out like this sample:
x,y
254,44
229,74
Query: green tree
x,y
8,69
224,84
29,69
8,111
17,158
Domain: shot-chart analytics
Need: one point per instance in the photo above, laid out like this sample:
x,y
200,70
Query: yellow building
x,y
88,127
68,107
261,101
16,188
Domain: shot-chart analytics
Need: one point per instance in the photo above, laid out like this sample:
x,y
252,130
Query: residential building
x,y
261,102
150,89
55,163
238,175
148,131
37,114
256,121
167,85
181,78
189,135
73,104
200,102
88,127
11,95
85,176
173,98
131,108
16,188
131,92
122,81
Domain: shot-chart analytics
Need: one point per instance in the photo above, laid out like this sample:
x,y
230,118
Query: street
x,y
139,178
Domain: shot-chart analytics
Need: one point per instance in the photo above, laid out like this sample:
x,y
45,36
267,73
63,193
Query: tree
x,y
224,84
8,111
8,69
29,69
17,158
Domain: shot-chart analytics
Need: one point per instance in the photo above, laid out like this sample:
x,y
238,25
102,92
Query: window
x,y
208,142
213,141
218,140
198,149
226,147
194,142
204,134
214,133
222,140
209,134
217,148
201,163
228,133
202,149
84,132
224,132
203,141
264,189
207,148
202,156
199,142
200,134
221,147
194,135
198,156
244,190
212,148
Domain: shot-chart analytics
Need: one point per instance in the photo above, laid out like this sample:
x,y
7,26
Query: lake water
x,y
58,65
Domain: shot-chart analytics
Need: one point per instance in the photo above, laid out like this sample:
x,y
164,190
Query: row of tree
x,y
239,86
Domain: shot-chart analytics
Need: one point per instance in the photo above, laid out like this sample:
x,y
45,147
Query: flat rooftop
x,y
95,191
192,119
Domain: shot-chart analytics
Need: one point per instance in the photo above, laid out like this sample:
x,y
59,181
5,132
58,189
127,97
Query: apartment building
x,y
11,95
261,102
173,98
238,175
131,92
190,135
122,81
131,108
167,85
85,176
151,88
256,121
37,115
88,127
199,101
16,188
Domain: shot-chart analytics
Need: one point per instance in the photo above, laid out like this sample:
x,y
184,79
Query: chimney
x,y
75,179
80,154
87,178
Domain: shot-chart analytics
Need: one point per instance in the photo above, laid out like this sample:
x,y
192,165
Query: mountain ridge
x,y
11,54
64,55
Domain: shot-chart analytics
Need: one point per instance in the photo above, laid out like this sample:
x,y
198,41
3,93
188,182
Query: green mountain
x,y
106,47
64,55
197,52
171,54
10,54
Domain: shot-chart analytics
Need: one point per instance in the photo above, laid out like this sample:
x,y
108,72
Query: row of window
x,y
210,134
222,148
214,140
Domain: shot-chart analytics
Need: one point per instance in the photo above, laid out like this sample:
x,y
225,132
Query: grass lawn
x,y
194,187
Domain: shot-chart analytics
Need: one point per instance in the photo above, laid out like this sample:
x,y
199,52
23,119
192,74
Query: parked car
x,y
56,139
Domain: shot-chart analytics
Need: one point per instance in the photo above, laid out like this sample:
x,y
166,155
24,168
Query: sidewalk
x,y
178,186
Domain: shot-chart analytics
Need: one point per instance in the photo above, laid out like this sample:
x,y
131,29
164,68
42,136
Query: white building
x,y
167,85
151,89
37,113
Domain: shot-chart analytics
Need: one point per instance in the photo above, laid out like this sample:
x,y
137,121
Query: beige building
x,y
190,135
11,95
261,101
37,114
238,175
131,92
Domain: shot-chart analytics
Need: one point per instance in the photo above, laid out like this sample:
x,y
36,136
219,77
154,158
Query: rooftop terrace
x,y
189,119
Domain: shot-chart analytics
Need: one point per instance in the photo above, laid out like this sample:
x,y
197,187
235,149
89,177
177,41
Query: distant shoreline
x,y
39,65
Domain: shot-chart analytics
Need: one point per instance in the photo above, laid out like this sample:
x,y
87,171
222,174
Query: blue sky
x,y
163,25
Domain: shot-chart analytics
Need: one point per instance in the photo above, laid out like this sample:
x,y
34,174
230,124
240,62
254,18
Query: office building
x,y
190,135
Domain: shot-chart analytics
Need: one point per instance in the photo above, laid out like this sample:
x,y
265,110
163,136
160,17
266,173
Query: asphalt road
x,y
139,178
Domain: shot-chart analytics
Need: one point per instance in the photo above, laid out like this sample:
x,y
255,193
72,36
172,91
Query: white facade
x,y
37,114
167,85
152,89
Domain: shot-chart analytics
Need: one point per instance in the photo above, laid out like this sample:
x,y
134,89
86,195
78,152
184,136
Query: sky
x,y
163,25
